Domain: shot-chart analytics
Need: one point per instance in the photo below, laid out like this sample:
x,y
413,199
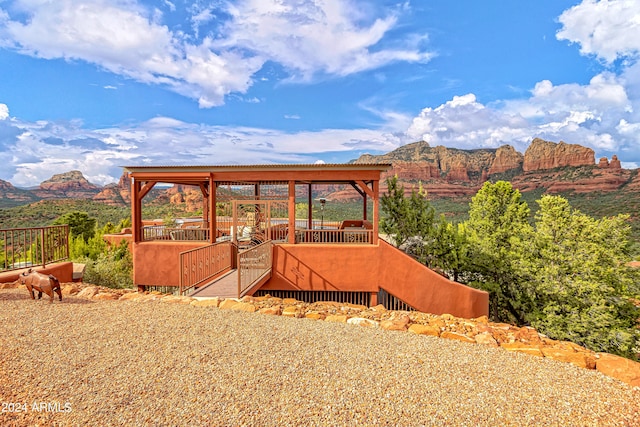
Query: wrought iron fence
x,y
253,265
201,264
25,247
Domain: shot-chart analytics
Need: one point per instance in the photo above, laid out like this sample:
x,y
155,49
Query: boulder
x,y
618,367
88,292
106,296
70,289
419,329
209,302
581,359
340,318
274,310
485,338
533,350
456,336
361,321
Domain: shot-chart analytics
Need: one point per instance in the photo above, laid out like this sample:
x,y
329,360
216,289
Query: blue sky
x,y
94,85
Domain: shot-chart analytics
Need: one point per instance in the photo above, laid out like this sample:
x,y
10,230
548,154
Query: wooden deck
x,y
223,287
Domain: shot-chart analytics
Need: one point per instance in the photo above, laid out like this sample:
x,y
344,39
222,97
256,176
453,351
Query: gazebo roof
x,y
325,173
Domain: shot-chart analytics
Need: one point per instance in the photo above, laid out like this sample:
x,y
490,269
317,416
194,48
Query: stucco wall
x,y
157,263
62,270
366,268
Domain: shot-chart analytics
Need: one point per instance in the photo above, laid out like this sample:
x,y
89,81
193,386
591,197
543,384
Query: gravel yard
x,y
100,363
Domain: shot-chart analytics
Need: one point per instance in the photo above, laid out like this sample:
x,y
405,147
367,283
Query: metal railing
x,y
253,265
201,264
25,247
160,232
334,236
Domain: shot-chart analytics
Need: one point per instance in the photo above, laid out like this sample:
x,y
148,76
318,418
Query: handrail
x,y
26,247
201,264
253,265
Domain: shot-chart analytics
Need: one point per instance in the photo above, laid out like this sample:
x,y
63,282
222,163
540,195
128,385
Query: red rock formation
x,y
11,195
67,185
507,158
116,194
543,154
603,163
615,163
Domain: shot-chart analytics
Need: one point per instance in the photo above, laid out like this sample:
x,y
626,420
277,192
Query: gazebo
x,y
252,238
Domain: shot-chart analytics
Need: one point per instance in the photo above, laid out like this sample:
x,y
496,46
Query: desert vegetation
x,y
565,274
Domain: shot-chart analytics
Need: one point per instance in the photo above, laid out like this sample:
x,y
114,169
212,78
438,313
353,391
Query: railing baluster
x,y
24,247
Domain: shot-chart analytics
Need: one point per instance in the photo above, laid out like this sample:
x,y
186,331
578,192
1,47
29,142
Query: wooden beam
x,y
146,188
365,188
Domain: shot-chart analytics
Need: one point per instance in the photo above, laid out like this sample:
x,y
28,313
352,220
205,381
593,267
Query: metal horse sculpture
x,y
41,283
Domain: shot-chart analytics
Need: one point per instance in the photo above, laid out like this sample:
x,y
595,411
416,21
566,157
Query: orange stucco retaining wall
x,y
366,268
62,270
157,263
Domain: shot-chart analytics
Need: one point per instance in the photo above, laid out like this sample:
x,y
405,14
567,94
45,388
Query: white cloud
x,y
45,148
607,29
309,37
4,112
126,38
600,115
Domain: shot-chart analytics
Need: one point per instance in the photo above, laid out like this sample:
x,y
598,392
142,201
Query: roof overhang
x,y
275,173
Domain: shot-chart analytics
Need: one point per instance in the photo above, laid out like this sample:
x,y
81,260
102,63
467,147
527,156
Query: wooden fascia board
x,y
311,176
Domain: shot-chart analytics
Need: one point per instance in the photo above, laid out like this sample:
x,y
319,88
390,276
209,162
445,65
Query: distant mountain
x,y
12,196
442,171
545,165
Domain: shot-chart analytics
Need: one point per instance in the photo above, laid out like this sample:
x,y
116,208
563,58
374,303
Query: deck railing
x,y
25,247
201,264
254,264
334,236
160,232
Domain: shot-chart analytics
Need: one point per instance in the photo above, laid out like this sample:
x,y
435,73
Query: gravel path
x,y
103,363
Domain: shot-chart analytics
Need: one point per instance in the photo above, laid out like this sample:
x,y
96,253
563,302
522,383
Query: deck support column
x,y
213,217
376,210
292,212
136,209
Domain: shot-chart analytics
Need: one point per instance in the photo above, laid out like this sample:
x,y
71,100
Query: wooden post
x,y
310,207
213,216
376,210
292,212
136,208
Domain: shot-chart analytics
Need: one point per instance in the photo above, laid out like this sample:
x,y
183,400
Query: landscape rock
x,y
210,302
361,321
419,329
457,336
88,292
620,368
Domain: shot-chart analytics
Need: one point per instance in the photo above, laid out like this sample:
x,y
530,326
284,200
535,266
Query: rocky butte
x,y
68,185
442,171
450,172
